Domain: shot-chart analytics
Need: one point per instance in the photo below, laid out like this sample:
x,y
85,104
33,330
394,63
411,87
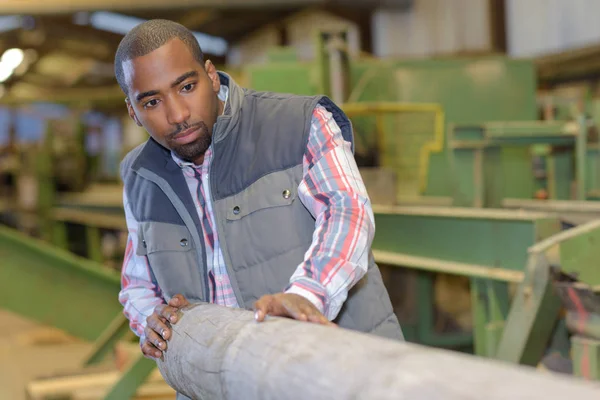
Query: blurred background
x,y
476,125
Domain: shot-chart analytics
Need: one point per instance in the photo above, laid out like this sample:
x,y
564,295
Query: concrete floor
x,y
29,350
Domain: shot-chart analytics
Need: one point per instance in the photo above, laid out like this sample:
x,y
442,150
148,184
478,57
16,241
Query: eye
x,y
188,87
151,103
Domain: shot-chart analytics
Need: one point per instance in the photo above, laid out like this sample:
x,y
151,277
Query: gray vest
x,y
263,227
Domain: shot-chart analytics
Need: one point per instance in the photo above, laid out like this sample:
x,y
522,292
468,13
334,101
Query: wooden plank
x,y
462,212
65,386
449,267
90,218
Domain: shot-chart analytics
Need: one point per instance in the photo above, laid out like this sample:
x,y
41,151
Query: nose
x,y
177,111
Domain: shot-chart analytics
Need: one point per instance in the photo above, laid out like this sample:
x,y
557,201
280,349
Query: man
x,y
239,198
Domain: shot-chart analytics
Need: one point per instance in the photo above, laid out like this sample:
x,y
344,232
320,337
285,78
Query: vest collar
x,y
226,122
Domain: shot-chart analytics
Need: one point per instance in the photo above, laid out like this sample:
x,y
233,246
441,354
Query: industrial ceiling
x,y
69,45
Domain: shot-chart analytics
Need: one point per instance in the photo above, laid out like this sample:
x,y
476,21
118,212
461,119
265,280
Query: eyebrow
x,y
176,82
191,74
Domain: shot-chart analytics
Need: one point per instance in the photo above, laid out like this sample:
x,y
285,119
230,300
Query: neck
x,y
199,160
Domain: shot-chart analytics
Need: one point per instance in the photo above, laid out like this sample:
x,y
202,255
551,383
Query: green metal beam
x,y
55,287
489,246
132,379
533,314
104,345
535,308
493,238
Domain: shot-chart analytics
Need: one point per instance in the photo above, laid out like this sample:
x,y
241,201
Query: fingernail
x,y
256,315
173,318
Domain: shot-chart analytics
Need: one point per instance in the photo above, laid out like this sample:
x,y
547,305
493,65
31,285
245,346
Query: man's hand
x,y
289,305
157,330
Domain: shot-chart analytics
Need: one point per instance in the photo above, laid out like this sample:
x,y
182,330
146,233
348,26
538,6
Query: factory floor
x,y
30,351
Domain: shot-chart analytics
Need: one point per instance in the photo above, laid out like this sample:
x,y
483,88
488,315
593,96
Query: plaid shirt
x,y
332,190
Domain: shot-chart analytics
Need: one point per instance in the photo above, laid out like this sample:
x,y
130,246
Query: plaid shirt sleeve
x,y
334,192
139,293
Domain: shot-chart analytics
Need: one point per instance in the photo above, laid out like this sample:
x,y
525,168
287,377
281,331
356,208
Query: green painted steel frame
x,y
56,287
536,306
493,161
465,242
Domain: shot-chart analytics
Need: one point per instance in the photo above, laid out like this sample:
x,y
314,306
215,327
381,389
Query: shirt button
x,y
144,243
286,194
236,210
183,242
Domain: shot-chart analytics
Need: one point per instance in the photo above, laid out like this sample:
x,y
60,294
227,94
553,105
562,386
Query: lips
x,y
187,136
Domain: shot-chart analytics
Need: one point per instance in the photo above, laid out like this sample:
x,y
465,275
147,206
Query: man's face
x,y
174,98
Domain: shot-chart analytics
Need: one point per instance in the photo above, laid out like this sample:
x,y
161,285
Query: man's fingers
x,y
295,310
261,308
150,351
158,325
318,318
153,338
178,301
314,315
167,312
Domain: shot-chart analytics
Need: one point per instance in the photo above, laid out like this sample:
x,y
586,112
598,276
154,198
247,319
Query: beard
x,y
193,150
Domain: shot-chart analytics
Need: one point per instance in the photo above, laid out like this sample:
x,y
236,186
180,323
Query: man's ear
x,y
211,71
131,112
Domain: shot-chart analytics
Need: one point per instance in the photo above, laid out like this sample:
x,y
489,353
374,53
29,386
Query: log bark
x,y
222,353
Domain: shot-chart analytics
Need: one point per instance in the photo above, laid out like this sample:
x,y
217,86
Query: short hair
x,y
149,36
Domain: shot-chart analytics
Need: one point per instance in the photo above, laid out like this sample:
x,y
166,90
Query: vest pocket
x,y
168,250
273,190
159,236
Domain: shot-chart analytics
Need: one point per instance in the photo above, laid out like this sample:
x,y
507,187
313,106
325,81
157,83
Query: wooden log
x,y
222,353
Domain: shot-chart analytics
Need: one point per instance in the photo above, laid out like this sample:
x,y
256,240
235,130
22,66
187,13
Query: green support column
x,y
94,243
580,157
426,332
532,317
45,178
59,235
490,308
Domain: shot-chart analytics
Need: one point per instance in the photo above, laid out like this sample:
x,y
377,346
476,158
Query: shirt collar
x,y
223,96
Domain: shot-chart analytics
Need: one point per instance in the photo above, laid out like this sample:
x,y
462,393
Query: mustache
x,y
183,127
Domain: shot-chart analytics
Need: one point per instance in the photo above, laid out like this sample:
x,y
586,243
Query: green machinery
x,y
489,152
489,149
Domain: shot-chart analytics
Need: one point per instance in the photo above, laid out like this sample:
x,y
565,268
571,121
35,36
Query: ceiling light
x,y
5,71
12,58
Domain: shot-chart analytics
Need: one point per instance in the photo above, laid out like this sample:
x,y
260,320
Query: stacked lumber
x,y
94,383
95,386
